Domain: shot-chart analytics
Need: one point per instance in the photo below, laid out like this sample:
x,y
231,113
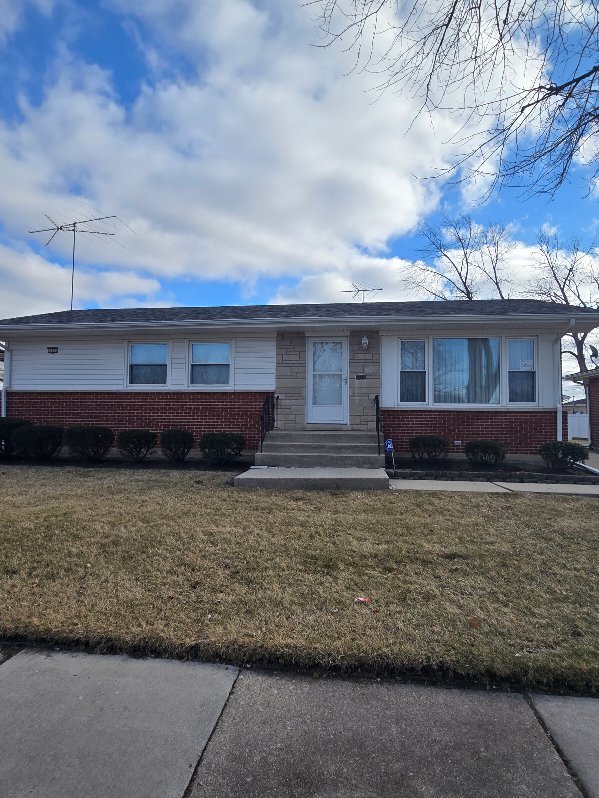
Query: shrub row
x,y
43,442
557,455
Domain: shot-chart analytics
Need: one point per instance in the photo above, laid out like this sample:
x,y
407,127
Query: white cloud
x,y
270,161
12,13
265,160
30,284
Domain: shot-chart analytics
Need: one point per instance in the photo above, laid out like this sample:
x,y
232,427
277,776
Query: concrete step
x,y
320,459
313,479
318,447
305,436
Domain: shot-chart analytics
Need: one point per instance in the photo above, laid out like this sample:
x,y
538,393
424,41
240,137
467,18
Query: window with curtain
x,y
522,378
466,371
147,364
412,371
210,364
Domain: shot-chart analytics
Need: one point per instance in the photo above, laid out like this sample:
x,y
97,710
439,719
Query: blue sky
x,y
249,165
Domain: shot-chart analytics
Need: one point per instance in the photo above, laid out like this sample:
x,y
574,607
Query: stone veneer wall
x,y
362,392
291,380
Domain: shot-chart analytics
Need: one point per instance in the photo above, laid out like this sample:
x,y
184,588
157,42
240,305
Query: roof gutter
x,y
301,321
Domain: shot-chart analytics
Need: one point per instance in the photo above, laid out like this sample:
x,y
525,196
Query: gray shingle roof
x,y
340,310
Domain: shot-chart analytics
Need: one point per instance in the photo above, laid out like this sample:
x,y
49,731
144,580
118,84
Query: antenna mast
x,y
74,228
357,289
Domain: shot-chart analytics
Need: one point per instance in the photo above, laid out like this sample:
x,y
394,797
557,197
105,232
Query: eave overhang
x,y
557,322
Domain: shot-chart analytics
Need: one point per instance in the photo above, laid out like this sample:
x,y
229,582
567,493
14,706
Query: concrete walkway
x,y
467,486
76,724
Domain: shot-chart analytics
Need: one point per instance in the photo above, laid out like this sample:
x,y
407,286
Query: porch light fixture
x,y
364,342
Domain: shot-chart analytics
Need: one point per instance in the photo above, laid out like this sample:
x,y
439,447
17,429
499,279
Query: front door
x,y
327,390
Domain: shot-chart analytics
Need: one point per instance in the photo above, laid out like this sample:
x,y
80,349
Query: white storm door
x,y
327,389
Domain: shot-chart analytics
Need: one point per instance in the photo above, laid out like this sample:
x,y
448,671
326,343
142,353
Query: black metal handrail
x,y
377,411
267,417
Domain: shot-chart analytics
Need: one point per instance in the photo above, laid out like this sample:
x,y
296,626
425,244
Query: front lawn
x,y
179,563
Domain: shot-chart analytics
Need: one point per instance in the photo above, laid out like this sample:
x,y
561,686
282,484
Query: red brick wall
x,y
521,431
593,393
195,411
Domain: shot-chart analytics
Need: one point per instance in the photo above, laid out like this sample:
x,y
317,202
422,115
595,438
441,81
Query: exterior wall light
x,y
364,342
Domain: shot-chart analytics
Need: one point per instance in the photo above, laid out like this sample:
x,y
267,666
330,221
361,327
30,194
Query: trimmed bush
x,y
176,444
428,447
222,447
485,452
41,442
135,444
7,427
562,455
91,443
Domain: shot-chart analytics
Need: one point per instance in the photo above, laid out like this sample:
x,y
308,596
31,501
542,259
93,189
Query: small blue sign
x,y
389,445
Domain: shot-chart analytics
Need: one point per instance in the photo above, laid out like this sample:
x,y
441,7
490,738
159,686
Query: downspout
x,y
560,412
6,378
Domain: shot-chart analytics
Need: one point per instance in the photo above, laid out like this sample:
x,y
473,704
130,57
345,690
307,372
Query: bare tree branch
x,y
521,75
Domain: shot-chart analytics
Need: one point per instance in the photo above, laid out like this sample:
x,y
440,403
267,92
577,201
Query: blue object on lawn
x,y
389,445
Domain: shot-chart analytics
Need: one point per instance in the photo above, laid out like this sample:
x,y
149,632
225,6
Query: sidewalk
x,y
75,724
468,486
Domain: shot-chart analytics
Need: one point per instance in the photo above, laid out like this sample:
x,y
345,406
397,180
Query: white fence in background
x,y
578,425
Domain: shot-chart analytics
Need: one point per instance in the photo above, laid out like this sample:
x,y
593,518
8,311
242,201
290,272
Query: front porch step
x,y
313,479
320,459
318,447
310,448
310,436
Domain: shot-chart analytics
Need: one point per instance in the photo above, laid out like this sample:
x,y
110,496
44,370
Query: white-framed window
x,y
210,364
148,364
522,371
412,371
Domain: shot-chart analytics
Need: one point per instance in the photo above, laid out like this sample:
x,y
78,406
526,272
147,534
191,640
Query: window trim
x,y
503,403
209,387
535,347
156,386
427,393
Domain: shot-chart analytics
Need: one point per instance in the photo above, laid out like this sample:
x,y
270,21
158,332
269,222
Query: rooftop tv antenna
x,y
357,289
74,228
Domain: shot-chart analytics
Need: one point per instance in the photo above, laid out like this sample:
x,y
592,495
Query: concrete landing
x,y
276,478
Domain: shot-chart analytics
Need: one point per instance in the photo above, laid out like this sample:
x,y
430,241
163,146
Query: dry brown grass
x,y
181,564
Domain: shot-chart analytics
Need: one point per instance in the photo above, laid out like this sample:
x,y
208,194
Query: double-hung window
x,y
412,372
522,377
210,364
466,371
148,364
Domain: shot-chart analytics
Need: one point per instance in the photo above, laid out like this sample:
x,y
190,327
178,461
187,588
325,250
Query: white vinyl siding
x,y
255,364
77,366
100,363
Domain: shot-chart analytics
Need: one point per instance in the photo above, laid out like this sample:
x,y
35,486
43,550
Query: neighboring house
x,y
575,406
464,370
591,379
